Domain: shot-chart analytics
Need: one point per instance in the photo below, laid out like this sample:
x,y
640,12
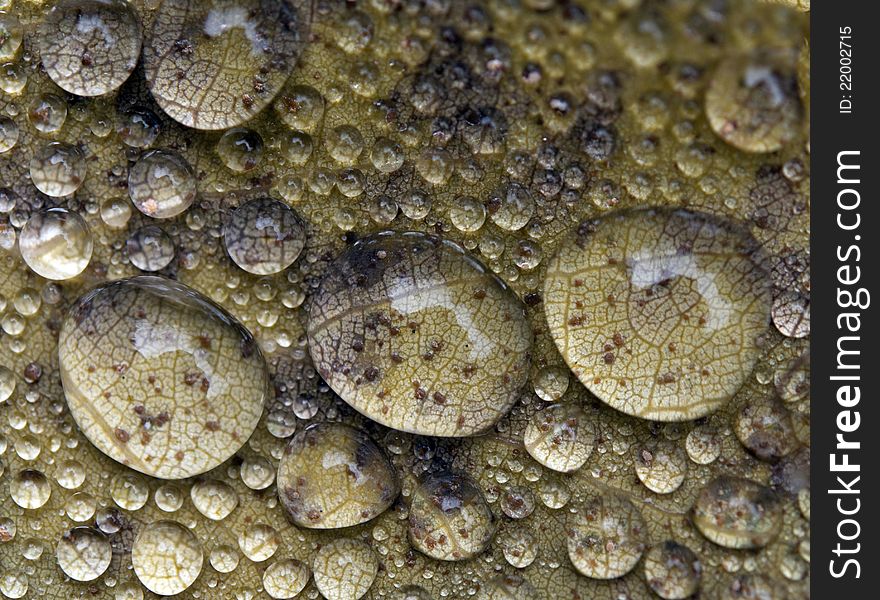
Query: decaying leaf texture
x,y
248,163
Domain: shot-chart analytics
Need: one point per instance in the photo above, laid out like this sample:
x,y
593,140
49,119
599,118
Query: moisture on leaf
x,y
160,378
659,312
414,333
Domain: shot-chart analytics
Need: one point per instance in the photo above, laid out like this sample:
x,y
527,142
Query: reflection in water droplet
x,y
240,149
737,513
214,499
659,312
56,244
661,466
264,236
159,377
606,537
332,475
161,184
90,47
150,248
449,518
672,570
449,368
259,542
345,569
58,169
30,489
560,437
8,134
167,558
83,553
285,578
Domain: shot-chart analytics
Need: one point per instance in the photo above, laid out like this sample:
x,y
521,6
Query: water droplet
x,y
672,570
332,476
659,312
661,466
90,47
560,437
138,127
175,386
264,236
764,426
83,553
47,113
737,513
8,134
240,149
167,558
11,36
224,559
449,518
520,548
129,491
467,214
606,537
259,542
161,184
345,569
214,499
433,352
301,107
285,578
753,102
512,207
58,169
150,248
30,489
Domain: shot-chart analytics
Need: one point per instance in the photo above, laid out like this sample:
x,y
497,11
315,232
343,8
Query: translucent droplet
x,y
332,475
58,169
520,548
264,236
224,559
116,212
661,466
198,89
449,518
47,113
169,497
434,350
753,101
8,134
672,571
257,473
7,383
84,553
11,36
301,107
178,383
167,558
606,537
150,248
512,207
240,149
129,491
560,437
286,578
161,184
30,489
90,47
467,214
259,542
214,499
345,569
659,312
737,513
138,127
